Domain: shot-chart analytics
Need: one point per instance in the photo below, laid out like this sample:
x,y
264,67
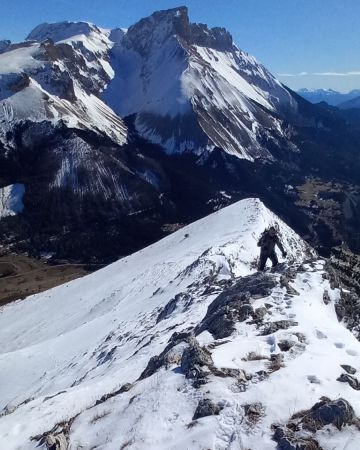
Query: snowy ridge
x,y
45,81
76,360
61,31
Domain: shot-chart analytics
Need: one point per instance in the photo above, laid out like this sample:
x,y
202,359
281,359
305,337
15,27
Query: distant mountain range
x,y
334,98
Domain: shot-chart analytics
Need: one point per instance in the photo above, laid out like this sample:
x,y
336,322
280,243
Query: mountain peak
x,y
60,31
175,22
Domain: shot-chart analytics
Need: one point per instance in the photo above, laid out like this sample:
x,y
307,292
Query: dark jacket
x,y
268,242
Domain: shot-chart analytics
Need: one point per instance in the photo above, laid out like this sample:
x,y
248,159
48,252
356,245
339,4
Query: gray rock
x,y
338,412
348,310
56,439
285,282
353,382
195,359
167,356
326,297
259,313
57,442
288,440
273,327
253,411
239,374
181,299
233,305
276,362
285,345
124,388
295,434
348,369
206,408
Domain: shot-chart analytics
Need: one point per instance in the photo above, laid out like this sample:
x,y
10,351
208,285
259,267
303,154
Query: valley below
x,y
21,276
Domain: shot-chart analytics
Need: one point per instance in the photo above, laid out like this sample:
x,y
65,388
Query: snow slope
x,y
65,350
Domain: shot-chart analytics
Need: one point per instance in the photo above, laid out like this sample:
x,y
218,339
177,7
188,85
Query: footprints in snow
x,y
339,345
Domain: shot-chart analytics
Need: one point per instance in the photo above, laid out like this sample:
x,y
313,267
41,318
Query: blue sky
x,y
306,43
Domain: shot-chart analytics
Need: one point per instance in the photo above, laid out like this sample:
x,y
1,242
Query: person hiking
x,y
267,243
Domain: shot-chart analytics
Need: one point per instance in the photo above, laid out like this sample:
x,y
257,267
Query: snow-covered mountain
x,y
183,345
192,89
43,81
118,135
330,96
213,94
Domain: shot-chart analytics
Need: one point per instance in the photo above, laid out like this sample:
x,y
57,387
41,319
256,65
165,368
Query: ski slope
x,y
65,349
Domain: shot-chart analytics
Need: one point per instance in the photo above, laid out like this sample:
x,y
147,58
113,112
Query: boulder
x,y
171,354
353,382
273,327
348,369
288,440
297,433
206,408
233,305
337,412
195,359
326,297
57,442
285,345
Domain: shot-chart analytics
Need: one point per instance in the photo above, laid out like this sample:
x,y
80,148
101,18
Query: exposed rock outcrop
x,y
233,305
299,432
206,408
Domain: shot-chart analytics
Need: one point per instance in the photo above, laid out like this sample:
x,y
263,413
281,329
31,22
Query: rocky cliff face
x,y
214,95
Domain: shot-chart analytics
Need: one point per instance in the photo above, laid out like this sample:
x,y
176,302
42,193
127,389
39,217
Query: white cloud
x,y
321,74
338,74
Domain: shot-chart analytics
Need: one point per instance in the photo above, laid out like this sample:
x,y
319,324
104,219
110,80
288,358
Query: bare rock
x,y
233,305
288,440
276,362
57,442
195,359
296,434
273,327
206,408
326,297
285,345
253,412
259,314
348,369
172,354
124,388
285,282
353,382
338,413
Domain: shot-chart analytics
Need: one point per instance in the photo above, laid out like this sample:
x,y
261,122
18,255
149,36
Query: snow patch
x,y
11,200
